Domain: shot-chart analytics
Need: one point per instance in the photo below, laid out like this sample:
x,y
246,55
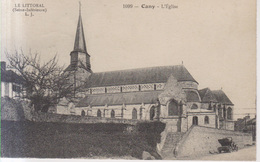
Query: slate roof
x,y
80,44
206,95
119,98
192,96
222,97
11,77
139,76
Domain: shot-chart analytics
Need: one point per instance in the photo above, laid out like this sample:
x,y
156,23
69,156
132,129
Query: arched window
x,y
206,120
134,114
152,113
195,120
194,106
224,112
83,113
172,108
229,113
220,114
98,113
112,114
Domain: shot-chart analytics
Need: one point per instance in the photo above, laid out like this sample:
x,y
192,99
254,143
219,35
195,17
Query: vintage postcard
x,y
152,80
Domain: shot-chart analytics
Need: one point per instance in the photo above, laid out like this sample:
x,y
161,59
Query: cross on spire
x,y
79,8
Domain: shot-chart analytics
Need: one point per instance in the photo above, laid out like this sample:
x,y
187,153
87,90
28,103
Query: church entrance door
x,y
195,120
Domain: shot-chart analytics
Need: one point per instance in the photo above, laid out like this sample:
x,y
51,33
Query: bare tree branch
x,y
45,83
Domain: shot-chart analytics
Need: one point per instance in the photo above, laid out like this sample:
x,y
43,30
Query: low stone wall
x,y
203,140
48,117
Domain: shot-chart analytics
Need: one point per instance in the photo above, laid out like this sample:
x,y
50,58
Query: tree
x,y
44,83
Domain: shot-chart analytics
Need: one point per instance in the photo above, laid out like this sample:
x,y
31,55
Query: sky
x,y
215,40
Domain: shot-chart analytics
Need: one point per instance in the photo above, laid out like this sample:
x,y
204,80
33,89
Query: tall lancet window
x,y
112,113
206,120
229,113
172,108
134,114
98,113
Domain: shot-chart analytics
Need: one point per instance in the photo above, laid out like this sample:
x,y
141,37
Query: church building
x,y
169,94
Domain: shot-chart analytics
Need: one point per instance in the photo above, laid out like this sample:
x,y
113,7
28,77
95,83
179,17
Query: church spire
x,y
80,44
79,57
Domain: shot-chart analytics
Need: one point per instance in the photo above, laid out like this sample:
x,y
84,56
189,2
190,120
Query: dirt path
x,y
246,154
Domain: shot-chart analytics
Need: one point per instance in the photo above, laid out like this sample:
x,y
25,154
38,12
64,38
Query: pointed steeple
x,y
80,44
79,57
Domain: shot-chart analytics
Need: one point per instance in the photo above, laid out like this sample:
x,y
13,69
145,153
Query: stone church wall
x,y
184,125
171,124
127,113
188,84
201,118
205,106
63,110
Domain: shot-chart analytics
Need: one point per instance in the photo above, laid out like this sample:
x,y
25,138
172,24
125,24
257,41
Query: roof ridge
x,y
141,68
151,91
221,96
202,93
140,76
204,88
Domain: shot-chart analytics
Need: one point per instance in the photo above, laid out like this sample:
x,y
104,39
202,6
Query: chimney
x,y
3,65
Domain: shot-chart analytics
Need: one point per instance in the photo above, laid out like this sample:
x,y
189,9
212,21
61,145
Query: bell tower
x,y
79,69
79,57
